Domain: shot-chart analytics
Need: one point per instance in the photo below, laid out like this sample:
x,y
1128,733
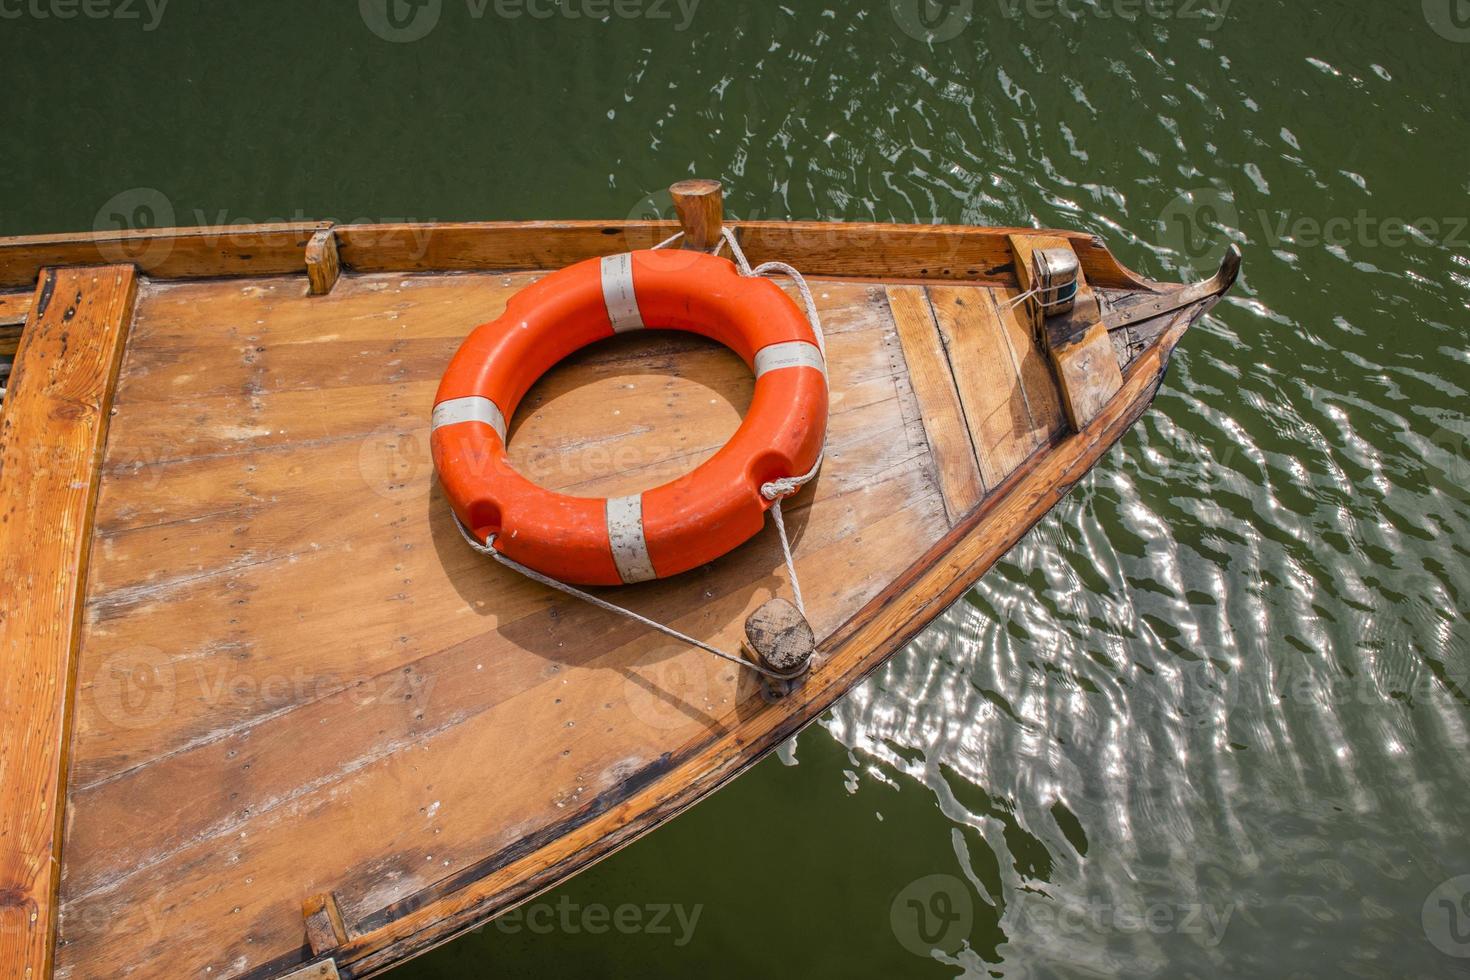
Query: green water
x,y
1212,717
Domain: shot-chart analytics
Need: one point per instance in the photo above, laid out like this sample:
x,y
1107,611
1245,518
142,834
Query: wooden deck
x,y
295,684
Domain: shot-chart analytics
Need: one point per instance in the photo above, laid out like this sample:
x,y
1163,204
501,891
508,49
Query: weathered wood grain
x,y
325,930
10,337
779,635
842,249
701,208
15,307
1009,397
891,253
51,439
322,264
231,250
934,386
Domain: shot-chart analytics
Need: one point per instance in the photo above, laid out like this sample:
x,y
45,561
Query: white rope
x,y
488,549
1016,301
779,489
774,490
780,268
790,563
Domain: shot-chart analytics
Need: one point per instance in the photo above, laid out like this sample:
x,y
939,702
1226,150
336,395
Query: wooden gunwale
x,y
52,434
851,250
852,652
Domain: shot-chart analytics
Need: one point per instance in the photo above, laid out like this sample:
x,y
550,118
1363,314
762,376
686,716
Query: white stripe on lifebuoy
x,y
625,533
617,293
791,353
471,409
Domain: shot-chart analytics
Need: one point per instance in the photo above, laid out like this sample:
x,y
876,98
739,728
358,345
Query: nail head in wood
x,y
322,264
701,207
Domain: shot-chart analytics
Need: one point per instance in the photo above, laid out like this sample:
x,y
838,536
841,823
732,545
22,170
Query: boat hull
x,y
306,725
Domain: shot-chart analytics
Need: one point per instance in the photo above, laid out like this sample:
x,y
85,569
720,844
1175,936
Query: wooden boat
x,y
265,715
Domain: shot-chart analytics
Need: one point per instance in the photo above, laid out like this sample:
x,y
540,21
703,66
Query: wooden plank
x,y
950,442
168,253
1010,399
818,248
14,307
51,441
325,970
842,249
1081,352
1087,373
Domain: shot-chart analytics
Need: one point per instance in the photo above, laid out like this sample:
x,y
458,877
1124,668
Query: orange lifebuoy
x,y
669,529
